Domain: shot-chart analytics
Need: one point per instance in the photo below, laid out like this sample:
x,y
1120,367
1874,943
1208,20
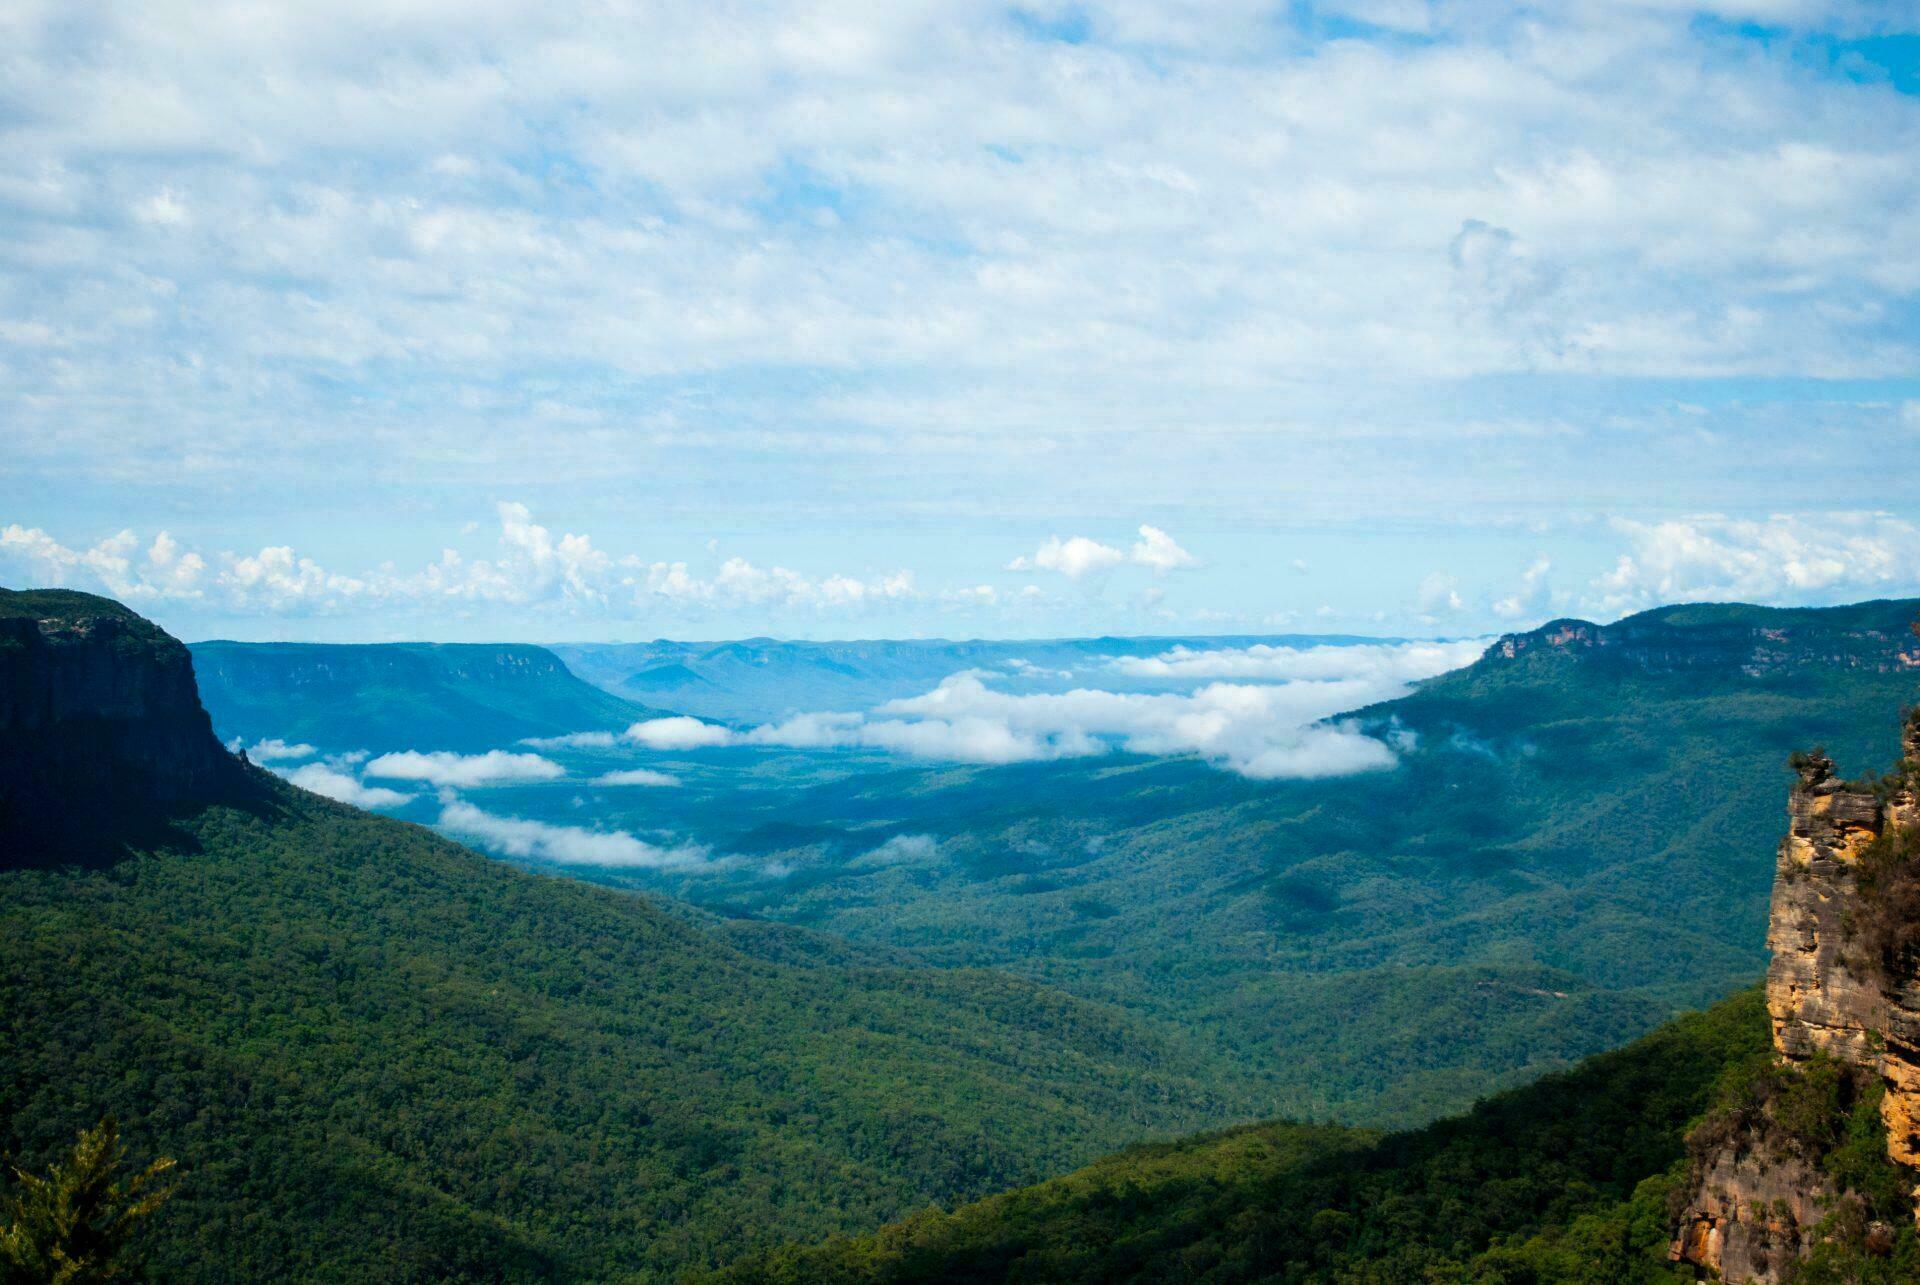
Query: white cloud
x,y
531,565
571,845
1274,727
343,786
636,776
445,768
1079,555
116,563
740,581
1438,595
572,740
1385,663
1156,549
1532,597
273,749
1265,730
1074,557
899,850
679,733
1202,253
1787,558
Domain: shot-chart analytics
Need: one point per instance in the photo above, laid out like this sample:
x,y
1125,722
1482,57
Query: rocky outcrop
x,y
1822,994
100,723
1829,992
1750,1213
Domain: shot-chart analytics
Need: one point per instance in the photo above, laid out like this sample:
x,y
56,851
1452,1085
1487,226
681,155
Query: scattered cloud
x,y
273,749
1156,549
1383,663
1073,557
679,733
1438,596
567,844
572,740
1532,598
636,776
445,768
531,565
1080,556
900,850
1787,558
343,787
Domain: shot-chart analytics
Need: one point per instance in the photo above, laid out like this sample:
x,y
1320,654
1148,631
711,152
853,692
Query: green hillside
x,y
376,1054
399,696
1565,1180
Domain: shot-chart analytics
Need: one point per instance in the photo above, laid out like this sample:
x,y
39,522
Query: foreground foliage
x,y
72,1226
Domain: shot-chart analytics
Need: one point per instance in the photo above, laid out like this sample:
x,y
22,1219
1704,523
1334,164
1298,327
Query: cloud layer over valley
x,y
1271,728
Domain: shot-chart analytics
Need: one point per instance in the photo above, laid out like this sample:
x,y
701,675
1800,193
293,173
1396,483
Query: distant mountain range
x,y
762,679
400,696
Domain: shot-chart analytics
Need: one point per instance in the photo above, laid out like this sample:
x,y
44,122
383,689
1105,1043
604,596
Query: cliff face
x,y
99,722
1830,991
1823,996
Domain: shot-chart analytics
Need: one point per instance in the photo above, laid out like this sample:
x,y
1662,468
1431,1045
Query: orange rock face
x,y
1747,1217
1819,999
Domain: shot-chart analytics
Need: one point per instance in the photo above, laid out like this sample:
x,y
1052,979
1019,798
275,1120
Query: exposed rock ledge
x,y
1753,1206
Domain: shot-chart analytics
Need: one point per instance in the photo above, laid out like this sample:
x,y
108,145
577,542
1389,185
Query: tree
x,y
71,1227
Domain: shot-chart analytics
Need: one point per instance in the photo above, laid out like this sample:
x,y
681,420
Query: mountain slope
x,y
378,1055
399,696
1565,1179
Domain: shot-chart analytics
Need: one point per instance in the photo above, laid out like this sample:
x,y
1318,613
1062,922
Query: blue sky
x,y
425,319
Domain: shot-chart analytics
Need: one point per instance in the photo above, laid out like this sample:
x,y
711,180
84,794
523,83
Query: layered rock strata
x,y
1753,1205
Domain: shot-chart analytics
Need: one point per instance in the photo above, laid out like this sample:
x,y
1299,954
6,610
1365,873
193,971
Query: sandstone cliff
x,y
1844,985
99,720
